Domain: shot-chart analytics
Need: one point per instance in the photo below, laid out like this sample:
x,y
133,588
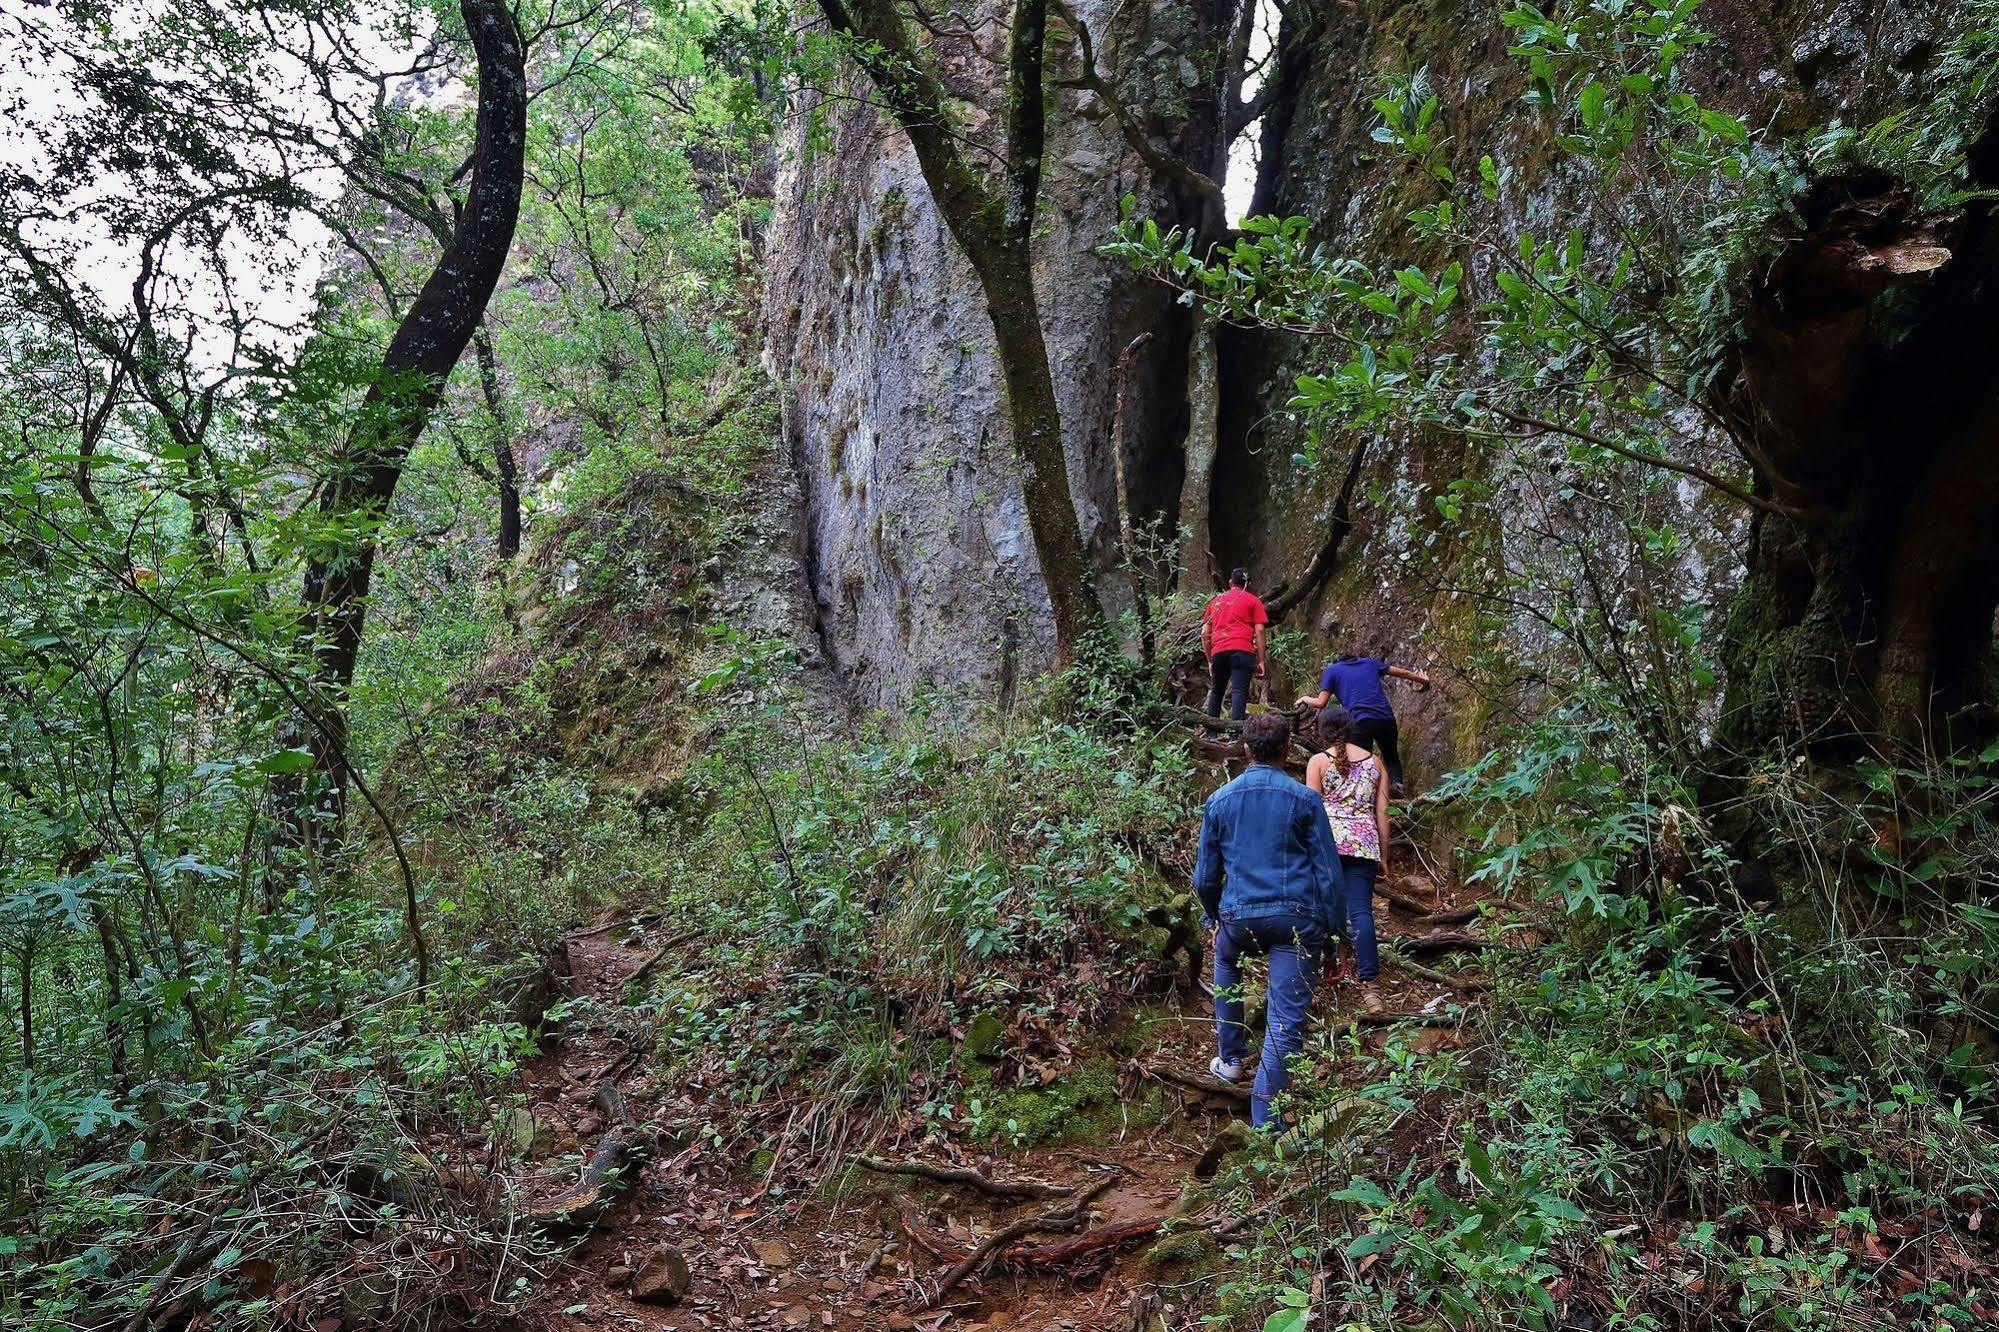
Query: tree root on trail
x,y
1450,916
920,1235
1200,1082
1402,901
644,968
616,922
581,1206
1408,1019
1425,913
1068,1217
1464,984
1442,941
1103,1239
966,1175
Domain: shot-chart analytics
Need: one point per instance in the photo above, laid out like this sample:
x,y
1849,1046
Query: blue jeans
x,y
1295,946
1357,876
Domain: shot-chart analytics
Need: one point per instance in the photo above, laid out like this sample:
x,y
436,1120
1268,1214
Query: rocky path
x,y
700,1243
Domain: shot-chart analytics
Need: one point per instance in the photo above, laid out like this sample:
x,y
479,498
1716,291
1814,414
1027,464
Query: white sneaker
x,y
1228,1070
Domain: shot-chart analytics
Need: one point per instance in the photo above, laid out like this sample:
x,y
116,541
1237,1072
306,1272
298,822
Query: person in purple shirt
x,y
1356,683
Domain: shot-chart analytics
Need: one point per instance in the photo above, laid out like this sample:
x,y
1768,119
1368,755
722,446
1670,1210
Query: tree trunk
x,y
1865,621
505,468
1036,421
1197,489
992,220
421,354
1863,401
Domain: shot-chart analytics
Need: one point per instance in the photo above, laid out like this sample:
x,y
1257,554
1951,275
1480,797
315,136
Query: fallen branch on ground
x,y
1442,941
644,968
596,1191
1200,1082
1067,1219
1466,984
966,1175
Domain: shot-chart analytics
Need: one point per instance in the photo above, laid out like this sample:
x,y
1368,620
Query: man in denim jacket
x,y
1268,877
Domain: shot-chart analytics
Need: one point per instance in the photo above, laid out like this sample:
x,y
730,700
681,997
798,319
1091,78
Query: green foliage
x,y
214,1044
936,872
1709,1113
1601,276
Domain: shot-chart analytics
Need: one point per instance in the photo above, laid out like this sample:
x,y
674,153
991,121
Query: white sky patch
x,y
1240,182
270,286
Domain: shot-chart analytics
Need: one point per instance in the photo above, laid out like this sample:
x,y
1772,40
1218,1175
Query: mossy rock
x,y
985,1036
1182,1258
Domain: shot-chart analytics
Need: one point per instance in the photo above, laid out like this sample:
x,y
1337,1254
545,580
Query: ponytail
x,y
1335,725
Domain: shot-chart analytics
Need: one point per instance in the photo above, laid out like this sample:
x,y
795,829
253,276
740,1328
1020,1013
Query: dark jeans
x,y
1230,670
1357,876
1379,733
1295,947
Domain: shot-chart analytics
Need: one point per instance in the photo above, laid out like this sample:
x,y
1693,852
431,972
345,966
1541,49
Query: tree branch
x,y
1700,474
1163,163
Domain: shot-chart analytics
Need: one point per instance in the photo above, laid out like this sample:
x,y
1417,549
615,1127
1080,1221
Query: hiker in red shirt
x,y
1232,636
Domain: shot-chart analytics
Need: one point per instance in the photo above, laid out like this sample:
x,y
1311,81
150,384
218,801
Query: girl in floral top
x,y
1351,782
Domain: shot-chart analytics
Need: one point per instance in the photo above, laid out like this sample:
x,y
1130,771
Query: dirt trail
x,y
767,1251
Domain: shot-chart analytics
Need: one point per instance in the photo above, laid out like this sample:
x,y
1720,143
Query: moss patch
x,y
1080,1106
1183,1258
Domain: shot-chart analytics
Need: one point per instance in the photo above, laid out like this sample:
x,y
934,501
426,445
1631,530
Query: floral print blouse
x,y
1349,804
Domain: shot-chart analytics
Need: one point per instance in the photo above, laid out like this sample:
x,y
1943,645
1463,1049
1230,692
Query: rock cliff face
x,y
916,539
914,536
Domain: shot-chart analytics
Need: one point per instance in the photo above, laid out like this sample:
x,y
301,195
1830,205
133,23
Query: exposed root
x,y
581,1206
1442,941
1408,1019
966,1175
616,922
1103,1239
1463,984
920,1235
977,1259
644,968
1200,1082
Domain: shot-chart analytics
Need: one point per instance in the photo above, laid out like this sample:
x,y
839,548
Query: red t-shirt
x,y
1232,620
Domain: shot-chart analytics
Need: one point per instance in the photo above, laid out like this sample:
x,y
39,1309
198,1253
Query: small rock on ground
x,y
665,1278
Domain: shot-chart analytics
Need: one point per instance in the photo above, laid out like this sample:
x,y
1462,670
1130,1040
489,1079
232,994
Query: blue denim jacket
x,y
1267,850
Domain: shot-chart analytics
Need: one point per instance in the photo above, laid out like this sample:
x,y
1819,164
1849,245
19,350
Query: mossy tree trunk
x,y
1864,402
